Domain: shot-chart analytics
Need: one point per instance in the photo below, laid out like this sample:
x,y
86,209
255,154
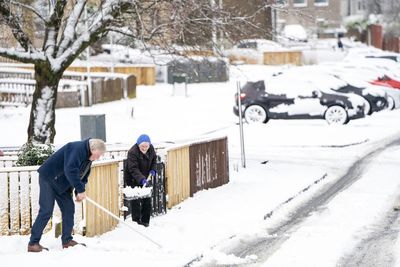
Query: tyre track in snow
x,y
264,247
378,248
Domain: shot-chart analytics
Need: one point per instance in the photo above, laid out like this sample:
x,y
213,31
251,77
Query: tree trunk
x,y
42,119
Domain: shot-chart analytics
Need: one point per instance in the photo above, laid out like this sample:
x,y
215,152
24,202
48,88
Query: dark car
x,y
376,103
305,101
377,99
394,57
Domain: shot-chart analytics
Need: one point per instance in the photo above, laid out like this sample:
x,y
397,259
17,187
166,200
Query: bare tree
x,y
63,41
65,30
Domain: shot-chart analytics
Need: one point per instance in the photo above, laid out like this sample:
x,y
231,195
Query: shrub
x,y
32,154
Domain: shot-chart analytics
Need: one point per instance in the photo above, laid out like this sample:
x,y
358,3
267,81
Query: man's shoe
x,y
72,243
36,248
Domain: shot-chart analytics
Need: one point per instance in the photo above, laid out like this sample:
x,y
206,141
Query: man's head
x,y
97,148
144,143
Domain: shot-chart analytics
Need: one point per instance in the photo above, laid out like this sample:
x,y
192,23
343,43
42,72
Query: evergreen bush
x,y
32,154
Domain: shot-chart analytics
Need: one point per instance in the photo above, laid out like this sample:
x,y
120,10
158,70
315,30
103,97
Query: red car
x,y
371,74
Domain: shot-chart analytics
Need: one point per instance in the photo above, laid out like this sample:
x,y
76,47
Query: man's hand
x,y
80,196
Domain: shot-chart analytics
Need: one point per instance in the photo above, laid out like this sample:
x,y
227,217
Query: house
x,y
320,17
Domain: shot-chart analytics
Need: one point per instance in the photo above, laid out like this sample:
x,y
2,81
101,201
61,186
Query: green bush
x,y
32,154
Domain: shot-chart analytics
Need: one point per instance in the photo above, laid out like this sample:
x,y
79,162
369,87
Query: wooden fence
x,y
282,58
71,93
178,177
196,166
189,168
8,161
103,187
209,164
145,74
244,59
19,198
19,91
113,82
16,92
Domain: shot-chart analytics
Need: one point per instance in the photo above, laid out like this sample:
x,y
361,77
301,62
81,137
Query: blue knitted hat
x,y
143,138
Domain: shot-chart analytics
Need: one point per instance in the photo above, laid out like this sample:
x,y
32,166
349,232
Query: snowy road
x,y
371,244
377,249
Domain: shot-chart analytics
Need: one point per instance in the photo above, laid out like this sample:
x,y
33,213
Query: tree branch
x,y
30,8
104,17
69,30
25,57
15,26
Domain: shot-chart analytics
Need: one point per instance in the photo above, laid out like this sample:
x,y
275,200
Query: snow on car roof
x,y
323,81
295,31
260,45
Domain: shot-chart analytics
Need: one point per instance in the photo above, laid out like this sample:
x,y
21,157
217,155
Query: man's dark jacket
x,y
139,165
68,167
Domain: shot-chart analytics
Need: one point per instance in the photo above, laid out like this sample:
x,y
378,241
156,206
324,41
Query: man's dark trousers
x,y
47,198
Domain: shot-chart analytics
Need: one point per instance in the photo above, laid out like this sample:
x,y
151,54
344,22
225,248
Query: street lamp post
x,y
242,151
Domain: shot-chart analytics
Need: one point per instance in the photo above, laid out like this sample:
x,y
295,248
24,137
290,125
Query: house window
x,y
281,2
299,3
321,2
360,5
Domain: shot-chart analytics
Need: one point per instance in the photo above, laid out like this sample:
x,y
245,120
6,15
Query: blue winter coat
x,y
68,167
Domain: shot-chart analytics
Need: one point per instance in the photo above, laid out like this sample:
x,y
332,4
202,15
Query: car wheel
x,y
336,115
255,113
390,101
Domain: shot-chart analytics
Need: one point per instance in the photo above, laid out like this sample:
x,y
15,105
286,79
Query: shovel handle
x,y
121,221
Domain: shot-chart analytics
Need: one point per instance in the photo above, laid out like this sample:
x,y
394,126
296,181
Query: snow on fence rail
x,y
8,161
16,91
10,157
21,73
19,91
10,153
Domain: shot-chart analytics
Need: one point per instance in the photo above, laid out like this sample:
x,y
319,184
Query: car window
x,y
252,45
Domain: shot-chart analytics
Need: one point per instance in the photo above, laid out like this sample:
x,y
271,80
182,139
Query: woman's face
x,y
144,146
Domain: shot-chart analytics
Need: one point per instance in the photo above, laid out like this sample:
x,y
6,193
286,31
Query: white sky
x,y
298,153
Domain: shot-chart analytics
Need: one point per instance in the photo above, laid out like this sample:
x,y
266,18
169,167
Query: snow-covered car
x,y
258,44
260,103
372,52
371,74
358,80
344,83
393,57
292,35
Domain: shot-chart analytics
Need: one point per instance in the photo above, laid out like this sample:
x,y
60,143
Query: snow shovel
x,y
135,193
121,221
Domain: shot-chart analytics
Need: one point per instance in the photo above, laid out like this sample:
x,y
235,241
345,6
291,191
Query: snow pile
x,y
136,192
